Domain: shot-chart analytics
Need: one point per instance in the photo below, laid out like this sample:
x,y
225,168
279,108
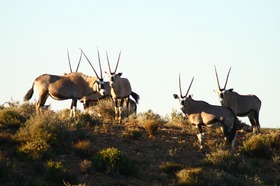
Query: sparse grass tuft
x,y
170,167
151,126
189,176
84,148
132,134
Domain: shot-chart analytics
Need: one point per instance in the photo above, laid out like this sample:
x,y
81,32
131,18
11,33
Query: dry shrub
x,y
86,166
84,148
132,134
227,161
151,126
150,121
27,109
11,118
258,146
189,176
103,109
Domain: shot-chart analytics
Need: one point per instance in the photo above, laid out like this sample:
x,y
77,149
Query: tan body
x,y
70,86
120,89
201,113
242,105
92,99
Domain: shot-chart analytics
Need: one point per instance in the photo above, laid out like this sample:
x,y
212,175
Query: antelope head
x,y
221,92
182,99
112,74
99,81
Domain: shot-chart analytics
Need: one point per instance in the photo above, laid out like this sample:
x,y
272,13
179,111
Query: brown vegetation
x,y
147,149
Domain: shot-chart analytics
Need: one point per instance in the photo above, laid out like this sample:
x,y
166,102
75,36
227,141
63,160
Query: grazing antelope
x,y
201,113
242,105
120,89
70,86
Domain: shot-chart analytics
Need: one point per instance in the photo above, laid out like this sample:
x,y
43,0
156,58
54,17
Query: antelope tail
x,y
135,96
29,94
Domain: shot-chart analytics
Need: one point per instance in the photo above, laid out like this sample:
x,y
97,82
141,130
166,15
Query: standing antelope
x,y
201,113
92,99
70,86
242,105
120,89
74,101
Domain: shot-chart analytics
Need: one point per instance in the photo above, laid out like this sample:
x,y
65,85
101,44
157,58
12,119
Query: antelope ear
x,y
217,91
120,74
175,96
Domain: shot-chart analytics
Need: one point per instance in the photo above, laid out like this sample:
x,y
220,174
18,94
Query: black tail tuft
x,y
29,94
135,96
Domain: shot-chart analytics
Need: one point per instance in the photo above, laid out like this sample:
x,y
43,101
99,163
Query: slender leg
x,y
120,111
200,136
42,100
253,122
116,109
73,108
258,126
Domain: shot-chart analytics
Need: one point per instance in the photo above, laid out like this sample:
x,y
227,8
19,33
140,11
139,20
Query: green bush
x,y
43,134
11,118
27,109
112,160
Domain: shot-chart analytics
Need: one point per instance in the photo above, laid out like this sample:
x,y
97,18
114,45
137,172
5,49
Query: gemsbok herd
x,y
89,89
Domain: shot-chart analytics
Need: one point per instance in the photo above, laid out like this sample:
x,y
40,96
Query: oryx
x,y
201,113
242,105
92,99
74,101
70,86
120,89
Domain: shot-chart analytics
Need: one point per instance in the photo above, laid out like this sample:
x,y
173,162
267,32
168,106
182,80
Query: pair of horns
x,y
218,79
82,52
116,64
181,88
70,62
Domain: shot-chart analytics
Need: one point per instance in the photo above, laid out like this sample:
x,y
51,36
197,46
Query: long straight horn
x,y
108,62
227,78
99,63
217,78
79,62
189,87
90,64
69,61
118,62
180,86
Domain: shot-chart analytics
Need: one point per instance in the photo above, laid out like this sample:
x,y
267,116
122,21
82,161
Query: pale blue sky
x,y
158,39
